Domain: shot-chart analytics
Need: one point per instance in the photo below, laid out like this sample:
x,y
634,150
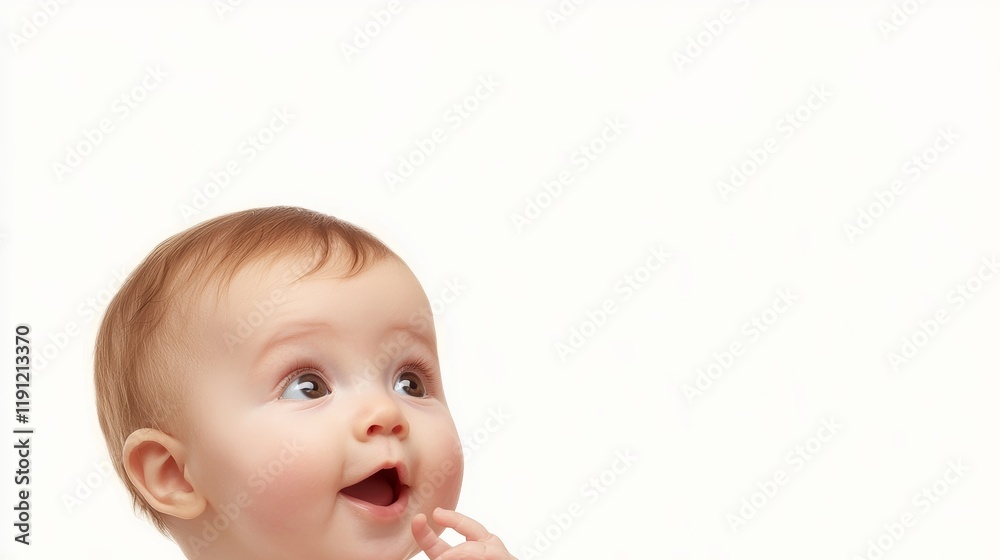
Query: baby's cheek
x,y
454,487
288,495
445,470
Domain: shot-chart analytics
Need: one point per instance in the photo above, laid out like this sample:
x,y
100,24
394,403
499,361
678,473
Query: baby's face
x,y
319,423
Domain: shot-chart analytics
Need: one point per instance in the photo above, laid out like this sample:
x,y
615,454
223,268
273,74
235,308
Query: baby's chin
x,y
404,550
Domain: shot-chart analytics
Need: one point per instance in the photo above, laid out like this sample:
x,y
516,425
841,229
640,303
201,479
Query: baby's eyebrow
x,y
303,329
283,336
418,335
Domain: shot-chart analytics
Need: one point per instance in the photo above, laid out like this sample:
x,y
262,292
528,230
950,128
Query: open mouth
x,y
381,489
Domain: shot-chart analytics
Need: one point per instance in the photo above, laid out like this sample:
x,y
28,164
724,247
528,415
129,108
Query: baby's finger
x,y
430,543
465,526
471,550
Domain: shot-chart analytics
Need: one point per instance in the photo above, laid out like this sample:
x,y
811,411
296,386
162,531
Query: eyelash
x,y
418,366
297,369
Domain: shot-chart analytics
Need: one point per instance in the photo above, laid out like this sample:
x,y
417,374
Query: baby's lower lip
x,y
390,512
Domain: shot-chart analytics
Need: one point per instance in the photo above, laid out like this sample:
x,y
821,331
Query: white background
x,y
66,235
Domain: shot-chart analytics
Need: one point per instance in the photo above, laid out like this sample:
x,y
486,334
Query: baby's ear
x,y
154,462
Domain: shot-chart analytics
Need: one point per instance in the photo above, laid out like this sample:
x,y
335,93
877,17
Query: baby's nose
x,y
381,416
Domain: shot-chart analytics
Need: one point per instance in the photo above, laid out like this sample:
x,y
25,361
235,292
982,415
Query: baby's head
x,y
268,386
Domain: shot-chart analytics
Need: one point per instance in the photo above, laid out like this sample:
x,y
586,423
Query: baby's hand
x,y
479,543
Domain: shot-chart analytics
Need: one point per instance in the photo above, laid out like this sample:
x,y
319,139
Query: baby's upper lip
x,y
401,471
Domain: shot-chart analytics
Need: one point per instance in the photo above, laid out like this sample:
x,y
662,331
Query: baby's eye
x,y
409,384
306,386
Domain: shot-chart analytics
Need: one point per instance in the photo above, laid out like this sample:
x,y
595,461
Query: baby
x,y
269,388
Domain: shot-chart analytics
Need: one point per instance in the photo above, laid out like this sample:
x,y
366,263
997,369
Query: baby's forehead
x,y
287,272
270,275
291,290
